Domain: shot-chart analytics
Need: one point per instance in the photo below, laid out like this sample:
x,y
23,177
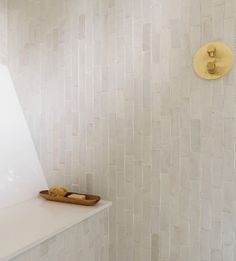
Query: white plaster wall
x,y
114,106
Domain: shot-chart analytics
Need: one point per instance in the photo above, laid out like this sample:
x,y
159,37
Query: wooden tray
x,y
89,201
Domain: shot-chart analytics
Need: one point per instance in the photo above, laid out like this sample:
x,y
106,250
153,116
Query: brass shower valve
x,y
213,60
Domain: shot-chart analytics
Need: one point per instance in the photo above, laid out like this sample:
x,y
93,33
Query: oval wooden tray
x,y
89,201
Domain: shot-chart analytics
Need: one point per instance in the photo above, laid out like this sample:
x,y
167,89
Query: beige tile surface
x,y
114,107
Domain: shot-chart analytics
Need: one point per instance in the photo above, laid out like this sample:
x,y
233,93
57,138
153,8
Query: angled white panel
x,y
21,175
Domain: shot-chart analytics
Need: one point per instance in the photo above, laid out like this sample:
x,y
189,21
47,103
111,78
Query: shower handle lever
x,y
211,50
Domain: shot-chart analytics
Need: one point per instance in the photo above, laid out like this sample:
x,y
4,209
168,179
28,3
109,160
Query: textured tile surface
x,y
87,240
115,108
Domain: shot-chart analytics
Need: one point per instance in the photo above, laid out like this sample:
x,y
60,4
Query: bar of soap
x,y
77,196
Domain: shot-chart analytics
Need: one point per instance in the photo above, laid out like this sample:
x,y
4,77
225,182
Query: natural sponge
x,y
57,191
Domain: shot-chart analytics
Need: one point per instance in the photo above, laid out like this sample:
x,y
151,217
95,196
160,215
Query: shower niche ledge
x,y
42,230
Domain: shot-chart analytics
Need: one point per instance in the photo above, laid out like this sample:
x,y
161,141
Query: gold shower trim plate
x,y
213,60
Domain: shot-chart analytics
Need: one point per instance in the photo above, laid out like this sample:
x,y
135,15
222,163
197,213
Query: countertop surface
x,y
28,224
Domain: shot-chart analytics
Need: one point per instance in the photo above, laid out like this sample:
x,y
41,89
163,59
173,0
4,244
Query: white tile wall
x,y
114,106
87,240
